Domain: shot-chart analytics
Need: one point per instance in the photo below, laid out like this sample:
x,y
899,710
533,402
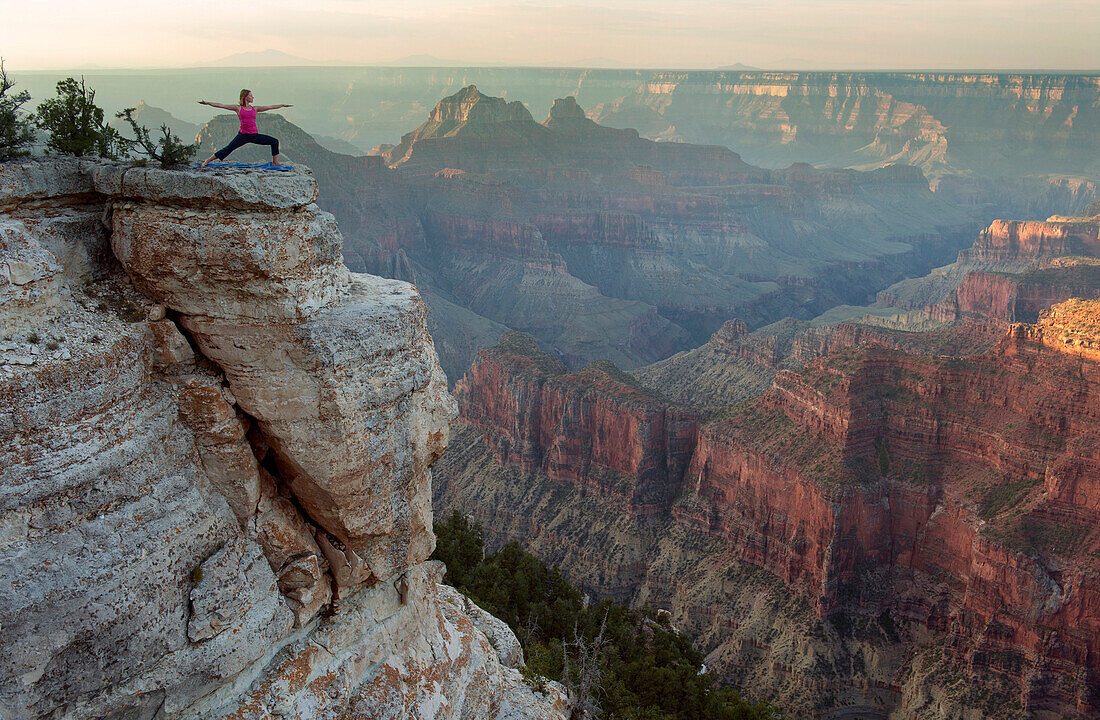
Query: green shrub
x,y
16,129
168,149
75,123
638,666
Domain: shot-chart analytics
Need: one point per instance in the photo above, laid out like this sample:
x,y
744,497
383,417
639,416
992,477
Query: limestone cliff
x,y
215,452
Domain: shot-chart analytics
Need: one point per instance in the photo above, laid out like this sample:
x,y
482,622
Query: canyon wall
x,y
995,124
885,531
217,441
596,427
1014,270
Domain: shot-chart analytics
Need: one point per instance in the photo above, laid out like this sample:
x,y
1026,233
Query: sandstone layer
x,y
217,443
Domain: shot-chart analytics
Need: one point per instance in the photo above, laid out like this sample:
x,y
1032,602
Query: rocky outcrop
x,y
1071,327
1019,297
1029,264
216,452
1018,240
596,429
944,504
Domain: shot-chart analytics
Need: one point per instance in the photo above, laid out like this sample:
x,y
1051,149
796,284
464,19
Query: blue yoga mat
x,y
264,166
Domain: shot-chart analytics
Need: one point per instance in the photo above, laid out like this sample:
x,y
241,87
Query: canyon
x,y
890,511
215,471
730,384
605,245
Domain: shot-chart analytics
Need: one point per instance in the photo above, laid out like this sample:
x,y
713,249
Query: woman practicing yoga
x,y
248,132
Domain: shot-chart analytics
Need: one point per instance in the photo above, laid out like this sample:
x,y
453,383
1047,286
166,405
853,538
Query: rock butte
x,y
215,467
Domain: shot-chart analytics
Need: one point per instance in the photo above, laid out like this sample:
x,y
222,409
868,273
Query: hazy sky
x,y
1056,34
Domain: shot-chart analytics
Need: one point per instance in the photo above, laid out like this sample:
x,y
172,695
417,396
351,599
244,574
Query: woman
x,y
248,132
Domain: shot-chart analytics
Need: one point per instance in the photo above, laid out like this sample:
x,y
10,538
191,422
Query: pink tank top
x,y
248,120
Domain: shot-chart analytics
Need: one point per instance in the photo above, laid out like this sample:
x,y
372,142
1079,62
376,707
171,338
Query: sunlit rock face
x,y
944,123
216,446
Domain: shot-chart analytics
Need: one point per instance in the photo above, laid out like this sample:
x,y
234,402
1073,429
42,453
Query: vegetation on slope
x,y
620,664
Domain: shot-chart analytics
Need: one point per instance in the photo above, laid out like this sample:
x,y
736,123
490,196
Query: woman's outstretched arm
x,y
232,108
262,108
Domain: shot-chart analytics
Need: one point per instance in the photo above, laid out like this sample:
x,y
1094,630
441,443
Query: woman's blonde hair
x,y
243,94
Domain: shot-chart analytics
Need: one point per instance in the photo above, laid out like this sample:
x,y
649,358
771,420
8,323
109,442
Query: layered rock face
x,y
1020,297
1014,270
1019,240
935,514
596,428
941,122
216,449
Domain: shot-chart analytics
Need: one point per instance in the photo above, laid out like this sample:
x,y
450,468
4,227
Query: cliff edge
x,y
215,453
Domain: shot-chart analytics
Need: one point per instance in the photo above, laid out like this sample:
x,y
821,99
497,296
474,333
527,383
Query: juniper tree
x,y
75,123
16,129
168,149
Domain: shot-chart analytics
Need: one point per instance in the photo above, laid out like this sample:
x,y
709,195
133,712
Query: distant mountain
x,y
737,66
260,58
479,133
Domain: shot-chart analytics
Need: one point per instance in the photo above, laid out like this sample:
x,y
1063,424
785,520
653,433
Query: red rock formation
x,y
979,472
1008,240
1018,298
957,493
1072,327
595,428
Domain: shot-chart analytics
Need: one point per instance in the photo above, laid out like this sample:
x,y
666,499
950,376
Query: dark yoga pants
x,y
244,139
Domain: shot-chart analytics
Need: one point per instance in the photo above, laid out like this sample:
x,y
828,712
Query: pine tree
x,y
75,123
168,150
16,129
